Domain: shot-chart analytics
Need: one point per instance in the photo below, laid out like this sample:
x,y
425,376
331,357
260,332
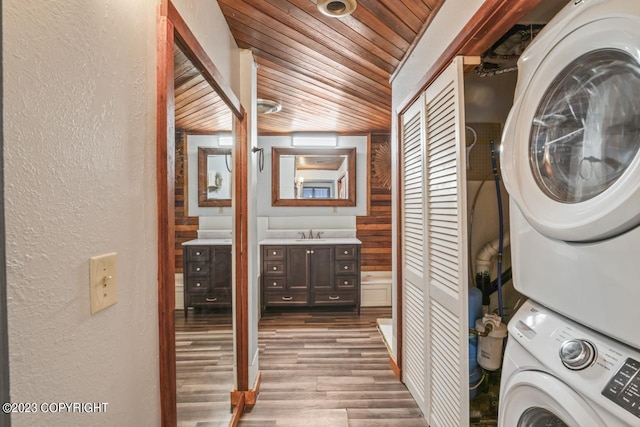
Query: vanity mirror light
x,y
313,176
214,176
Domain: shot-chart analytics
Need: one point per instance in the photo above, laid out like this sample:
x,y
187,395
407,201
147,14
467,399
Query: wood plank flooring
x,y
328,369
204,368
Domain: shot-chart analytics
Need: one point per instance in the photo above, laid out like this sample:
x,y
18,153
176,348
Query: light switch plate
x,y
103,281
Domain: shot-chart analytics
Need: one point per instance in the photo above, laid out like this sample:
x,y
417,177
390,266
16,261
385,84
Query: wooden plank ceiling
x,y
329,74
198,108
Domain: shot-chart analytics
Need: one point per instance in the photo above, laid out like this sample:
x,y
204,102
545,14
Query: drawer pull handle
x,y
312,252
334,298
198,284
275,253
346,267
197,268
346,252
275,283
198,253
287,298
346,282
275,268
212,299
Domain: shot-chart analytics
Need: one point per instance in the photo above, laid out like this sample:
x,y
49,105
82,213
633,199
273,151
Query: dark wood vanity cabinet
x,y
207,276
310,275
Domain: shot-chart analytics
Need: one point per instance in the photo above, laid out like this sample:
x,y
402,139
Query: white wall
x,y
248,96
79,114
80,174
451,18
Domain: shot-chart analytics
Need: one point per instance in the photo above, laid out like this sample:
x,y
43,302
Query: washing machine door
x,y
571,143
537,399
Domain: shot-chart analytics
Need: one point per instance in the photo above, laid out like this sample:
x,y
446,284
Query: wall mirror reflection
x,y
204,334
313,176
214,176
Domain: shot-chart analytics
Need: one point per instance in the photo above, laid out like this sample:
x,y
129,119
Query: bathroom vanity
x,y
310,272
207,266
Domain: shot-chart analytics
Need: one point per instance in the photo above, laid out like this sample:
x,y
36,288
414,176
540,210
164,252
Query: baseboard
x,y
237,402
251,396
395,368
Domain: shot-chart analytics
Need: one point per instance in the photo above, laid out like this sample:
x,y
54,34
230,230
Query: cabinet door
x,y
221,268
297,267
321,273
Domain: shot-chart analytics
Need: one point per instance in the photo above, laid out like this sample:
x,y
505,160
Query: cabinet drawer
x,y
334,297
217,298
346,251
274,283
198,253
346,267
199,285
198,268
274,267
287,298
274,252
346,282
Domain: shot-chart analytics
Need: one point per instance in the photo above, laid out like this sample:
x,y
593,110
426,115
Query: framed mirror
x,y
313,176
214,176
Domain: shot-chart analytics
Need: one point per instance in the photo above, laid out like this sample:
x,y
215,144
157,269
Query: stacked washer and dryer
x,y
571,165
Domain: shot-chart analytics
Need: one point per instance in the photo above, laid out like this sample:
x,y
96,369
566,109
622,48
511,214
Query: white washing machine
x,y
557,373
571,165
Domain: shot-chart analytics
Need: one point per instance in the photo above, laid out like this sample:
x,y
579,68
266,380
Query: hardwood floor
x,y
328,369
204,368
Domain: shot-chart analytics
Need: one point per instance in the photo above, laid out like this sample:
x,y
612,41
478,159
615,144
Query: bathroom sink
x,y
311,240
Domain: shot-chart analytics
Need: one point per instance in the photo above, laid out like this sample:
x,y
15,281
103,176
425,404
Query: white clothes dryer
x,y
571,164
559,373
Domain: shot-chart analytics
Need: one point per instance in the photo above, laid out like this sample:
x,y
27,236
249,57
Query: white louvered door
x,y
446,242
413,254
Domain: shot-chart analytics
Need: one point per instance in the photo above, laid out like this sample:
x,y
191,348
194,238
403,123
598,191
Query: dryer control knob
x,y
577,354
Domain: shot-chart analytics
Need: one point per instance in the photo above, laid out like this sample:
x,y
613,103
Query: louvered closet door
x,y
413,254
446,243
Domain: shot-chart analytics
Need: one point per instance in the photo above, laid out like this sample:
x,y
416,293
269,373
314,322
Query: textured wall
x,y
79,113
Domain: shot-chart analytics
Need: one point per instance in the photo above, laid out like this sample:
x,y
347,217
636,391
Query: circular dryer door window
x,y
586,130
540,417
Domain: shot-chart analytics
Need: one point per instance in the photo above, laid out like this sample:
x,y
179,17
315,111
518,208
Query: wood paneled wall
x,y
374,230
186,226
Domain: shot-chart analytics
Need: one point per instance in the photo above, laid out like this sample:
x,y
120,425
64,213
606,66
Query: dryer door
x,y
537,399
570,152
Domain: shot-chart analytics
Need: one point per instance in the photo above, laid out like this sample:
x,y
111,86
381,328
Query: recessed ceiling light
x,y
337,8
267,106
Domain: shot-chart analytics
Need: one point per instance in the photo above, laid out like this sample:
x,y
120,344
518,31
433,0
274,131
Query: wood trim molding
x,y
196,53
399,258
251,396
489,23
237,403
165,164
395,368
241,252
368,192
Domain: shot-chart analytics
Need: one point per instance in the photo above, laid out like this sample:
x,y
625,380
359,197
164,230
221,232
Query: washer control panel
x,y
624,388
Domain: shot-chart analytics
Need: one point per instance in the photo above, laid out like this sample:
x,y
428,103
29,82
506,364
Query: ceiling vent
x,y
267,106
337,8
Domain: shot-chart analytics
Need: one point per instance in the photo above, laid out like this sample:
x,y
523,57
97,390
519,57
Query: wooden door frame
x,y
492,20
171,27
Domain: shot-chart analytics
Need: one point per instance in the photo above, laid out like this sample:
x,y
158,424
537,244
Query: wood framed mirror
x,y
214,176
172,31
313,176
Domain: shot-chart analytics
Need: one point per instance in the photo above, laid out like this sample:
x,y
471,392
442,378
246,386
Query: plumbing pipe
x,y
488,252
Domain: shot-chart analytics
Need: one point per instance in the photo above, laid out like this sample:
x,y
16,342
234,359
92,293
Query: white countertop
x,y
210,242
321,241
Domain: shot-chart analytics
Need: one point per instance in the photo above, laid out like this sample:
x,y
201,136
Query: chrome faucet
x,y
301,233
310,233
319,234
